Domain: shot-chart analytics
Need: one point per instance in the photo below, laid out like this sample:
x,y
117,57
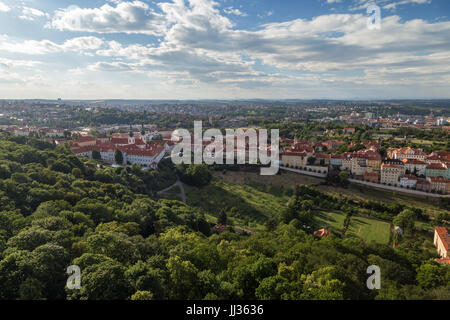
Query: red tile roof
x,y
322,156
413,161
443,260
409,176
84,139
436,166
444,235
119,140
321,233
294,154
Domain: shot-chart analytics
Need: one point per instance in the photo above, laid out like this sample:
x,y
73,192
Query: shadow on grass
x,y
214,198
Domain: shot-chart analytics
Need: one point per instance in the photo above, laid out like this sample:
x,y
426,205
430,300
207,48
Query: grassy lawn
x,y
426,142
369,229
332,220
172,194
251,205
258,197
286,179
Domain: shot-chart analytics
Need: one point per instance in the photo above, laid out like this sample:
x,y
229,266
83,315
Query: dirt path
x,y
180,185
182,194
166,189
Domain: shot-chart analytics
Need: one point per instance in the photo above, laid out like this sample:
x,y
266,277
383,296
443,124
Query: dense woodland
x,y
57,210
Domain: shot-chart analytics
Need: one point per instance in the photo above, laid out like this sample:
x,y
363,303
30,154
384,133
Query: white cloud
x,y
203,43
237,12
4,7
393,5
34,47
10,63
201,48
127,17
385,4
31,13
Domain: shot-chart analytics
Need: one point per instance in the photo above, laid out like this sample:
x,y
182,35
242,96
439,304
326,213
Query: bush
x,y
195,174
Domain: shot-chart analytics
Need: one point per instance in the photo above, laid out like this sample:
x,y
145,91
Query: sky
x,y
224,49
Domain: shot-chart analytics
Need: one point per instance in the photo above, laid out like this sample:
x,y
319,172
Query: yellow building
x,y
294,159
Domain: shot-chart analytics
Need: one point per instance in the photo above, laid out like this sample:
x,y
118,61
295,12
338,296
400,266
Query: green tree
x,y
406,220
96,155
104,281
182,279
197,174
142,295
76,172
118,156
430,276
343,178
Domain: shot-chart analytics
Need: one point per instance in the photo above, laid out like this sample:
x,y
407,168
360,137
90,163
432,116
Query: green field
x,y
369,229
364,228
333,220
250,204
255,204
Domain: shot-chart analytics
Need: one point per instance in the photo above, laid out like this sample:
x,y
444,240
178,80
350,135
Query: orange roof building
x,y
322,233
442,241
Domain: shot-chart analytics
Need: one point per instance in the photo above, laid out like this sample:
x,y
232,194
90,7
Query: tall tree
x,y
118,156
96,155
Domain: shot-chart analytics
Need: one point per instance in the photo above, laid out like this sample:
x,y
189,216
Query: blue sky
x,y
194,49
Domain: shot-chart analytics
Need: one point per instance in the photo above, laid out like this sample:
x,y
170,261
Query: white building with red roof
x,y
442,243
406,153
415,166
134,150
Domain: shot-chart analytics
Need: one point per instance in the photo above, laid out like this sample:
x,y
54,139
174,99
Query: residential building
x,y
439,184
137,152
432,159
442,241
437,170
336,160
415,166
372,177
346,161
406,153
390,173
423,185
323,159
349,130
358,166
408,181
85,141
294,159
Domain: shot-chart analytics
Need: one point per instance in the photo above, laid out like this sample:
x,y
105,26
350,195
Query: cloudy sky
x,y
226,49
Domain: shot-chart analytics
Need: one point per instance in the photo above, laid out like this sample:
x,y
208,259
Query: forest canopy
x,y
57,210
